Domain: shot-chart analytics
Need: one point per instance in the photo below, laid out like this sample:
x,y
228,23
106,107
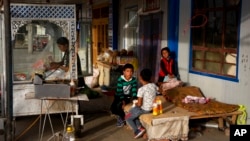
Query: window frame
x,y
85,44
131,29
222,49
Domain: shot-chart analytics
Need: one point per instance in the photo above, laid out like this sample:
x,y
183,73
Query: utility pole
x,y
9,83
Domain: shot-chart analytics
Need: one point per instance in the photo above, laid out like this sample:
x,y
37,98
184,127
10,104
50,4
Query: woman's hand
x,y
64,68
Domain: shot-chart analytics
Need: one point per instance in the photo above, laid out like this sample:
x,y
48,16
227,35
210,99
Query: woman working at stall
x,y
63,45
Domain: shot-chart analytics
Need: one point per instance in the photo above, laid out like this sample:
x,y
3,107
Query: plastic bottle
x,y
72,88
159,104
155,109
69,135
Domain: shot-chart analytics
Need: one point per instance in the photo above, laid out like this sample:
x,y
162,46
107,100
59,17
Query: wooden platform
x,y
230,118
212,109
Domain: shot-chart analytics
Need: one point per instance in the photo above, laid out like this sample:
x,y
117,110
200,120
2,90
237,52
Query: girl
x,y
167,66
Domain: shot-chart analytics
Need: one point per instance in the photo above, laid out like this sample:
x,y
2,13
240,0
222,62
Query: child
x,y
144,104
126,91
167,65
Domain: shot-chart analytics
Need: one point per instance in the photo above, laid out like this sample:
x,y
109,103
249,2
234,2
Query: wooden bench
x,y
158,127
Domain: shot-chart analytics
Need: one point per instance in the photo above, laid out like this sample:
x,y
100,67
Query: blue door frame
x,y
173,26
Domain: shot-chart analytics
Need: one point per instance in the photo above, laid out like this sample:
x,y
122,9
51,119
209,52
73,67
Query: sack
x,y
57,74
89,92
93,81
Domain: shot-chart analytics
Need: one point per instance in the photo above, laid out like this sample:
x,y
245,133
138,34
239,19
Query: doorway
x,y
150,32
99,30
99,36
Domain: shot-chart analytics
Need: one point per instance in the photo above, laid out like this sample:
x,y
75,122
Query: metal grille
x,y
42,11
62,15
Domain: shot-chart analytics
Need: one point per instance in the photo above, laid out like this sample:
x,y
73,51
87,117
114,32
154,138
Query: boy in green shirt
x,y
126,91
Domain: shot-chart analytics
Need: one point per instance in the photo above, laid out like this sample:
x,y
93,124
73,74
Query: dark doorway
x,y
150,31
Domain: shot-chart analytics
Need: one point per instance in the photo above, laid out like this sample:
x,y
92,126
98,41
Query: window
x,y
215,36
33,48
131,34
85,50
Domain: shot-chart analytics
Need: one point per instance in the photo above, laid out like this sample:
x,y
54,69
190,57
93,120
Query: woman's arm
x,y
56,65
64,64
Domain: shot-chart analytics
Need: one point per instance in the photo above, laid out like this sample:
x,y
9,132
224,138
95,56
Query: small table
x,y
48,102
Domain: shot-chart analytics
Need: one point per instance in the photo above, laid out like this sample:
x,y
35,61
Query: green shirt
x,y
126,88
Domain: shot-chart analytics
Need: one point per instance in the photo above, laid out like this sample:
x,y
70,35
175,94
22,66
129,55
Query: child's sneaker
x,y
142,129
139,133
120,122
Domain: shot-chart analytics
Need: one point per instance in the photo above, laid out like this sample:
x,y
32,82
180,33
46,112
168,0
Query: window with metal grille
x,y
214,37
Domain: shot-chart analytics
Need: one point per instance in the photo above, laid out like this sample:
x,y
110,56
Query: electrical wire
x,y
204,22
28,128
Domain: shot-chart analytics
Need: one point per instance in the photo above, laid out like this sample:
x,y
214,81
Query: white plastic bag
x,y
57,74
171,83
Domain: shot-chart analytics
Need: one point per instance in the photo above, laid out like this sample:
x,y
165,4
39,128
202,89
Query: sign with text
x,y
239,132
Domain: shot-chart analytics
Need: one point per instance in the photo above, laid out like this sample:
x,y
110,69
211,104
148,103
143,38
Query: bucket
x,y
77,121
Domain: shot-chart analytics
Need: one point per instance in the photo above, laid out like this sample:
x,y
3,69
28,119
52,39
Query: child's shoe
x,y
120,122
139,133
142,128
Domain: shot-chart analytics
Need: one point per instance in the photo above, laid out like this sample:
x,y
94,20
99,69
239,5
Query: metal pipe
x,y
9,72
2,51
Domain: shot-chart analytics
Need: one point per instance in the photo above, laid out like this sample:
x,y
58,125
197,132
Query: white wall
x,y
223,90
184,38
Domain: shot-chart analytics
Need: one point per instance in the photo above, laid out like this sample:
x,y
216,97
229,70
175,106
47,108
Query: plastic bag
x,y
57,74
242,119
171,83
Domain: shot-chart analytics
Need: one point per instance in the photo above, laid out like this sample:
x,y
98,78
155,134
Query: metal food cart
x,y
34,30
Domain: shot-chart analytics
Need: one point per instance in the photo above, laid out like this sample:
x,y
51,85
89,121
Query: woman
x,y
63,45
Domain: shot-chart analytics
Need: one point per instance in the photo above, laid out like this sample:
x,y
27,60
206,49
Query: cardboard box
x,y
50,90
122,60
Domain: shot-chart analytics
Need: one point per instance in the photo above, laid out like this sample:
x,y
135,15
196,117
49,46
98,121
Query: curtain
x,y
150,31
